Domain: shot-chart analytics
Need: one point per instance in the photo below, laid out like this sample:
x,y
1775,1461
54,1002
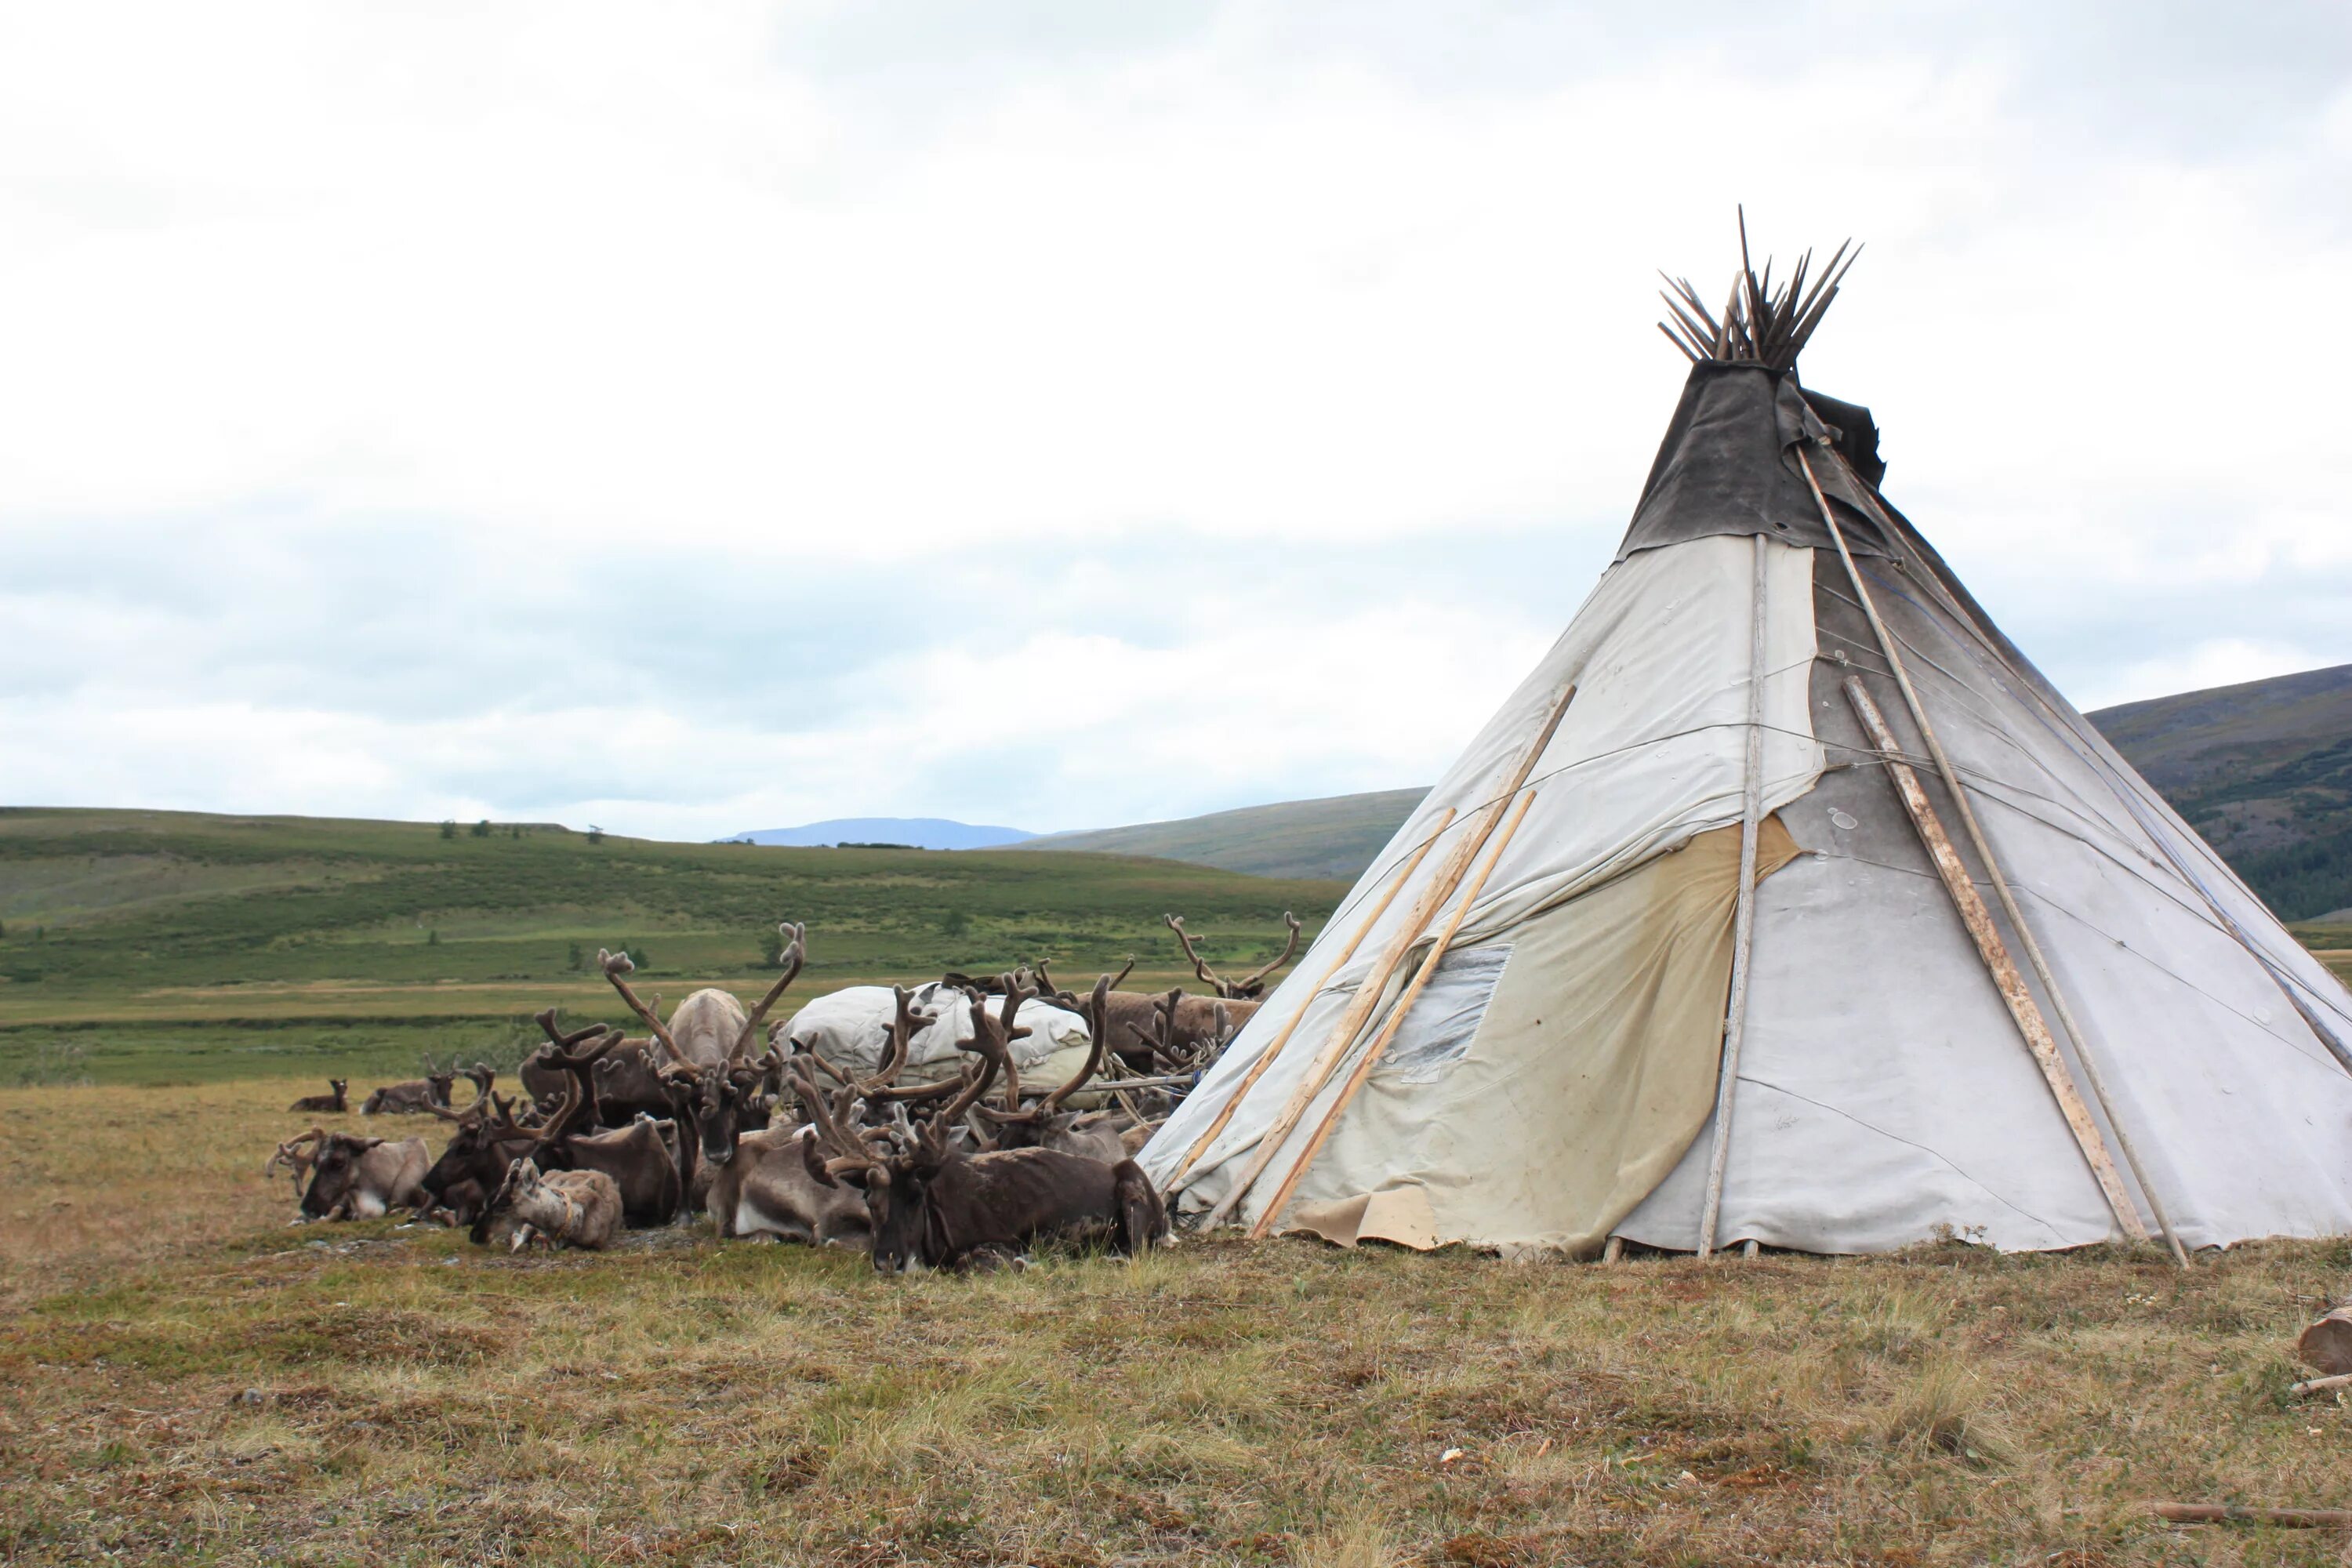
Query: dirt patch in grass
x,y
194,1382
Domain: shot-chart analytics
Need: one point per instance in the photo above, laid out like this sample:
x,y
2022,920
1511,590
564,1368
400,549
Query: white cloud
x,y
391,392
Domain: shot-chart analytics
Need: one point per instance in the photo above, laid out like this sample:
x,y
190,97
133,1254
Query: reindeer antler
x,y
1199,965
616,966
1097,1009
794,954
1251,984
546,1021
827,1149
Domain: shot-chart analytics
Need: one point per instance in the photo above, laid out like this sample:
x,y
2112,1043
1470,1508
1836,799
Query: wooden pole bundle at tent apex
x,y
1368,995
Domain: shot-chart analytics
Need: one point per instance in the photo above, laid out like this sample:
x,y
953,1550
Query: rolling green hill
x,y
2263,770
1336,836
265,941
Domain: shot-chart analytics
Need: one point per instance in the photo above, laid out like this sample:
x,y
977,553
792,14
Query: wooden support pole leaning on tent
x,y
1368,995
1951,777
2083,1051
1995,953
1743,920
1397,1014
1274,1047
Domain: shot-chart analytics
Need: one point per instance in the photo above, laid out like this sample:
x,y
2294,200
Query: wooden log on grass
x,y
2231,1513
2321,1385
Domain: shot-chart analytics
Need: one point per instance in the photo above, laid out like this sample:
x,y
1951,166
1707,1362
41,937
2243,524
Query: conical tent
x,y
2036,1013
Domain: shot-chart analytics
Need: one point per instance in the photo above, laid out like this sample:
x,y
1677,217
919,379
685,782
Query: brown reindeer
x,y
933,1206
336,1102
638,1157
417,1097
360,1178
561,1208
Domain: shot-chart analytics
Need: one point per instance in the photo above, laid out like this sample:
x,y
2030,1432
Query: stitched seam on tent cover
x,y
1439,1031
1936,1155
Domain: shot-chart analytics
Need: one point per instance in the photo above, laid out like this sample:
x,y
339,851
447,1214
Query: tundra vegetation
x,y
184,1377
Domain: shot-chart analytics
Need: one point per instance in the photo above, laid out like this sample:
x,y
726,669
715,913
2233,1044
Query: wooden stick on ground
x,y
1184,1172
2321,1384
1995,953
1397,1014
2033,955
1368,995
2231,1513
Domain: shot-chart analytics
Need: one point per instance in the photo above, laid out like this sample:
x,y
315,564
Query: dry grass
x,y
183,1378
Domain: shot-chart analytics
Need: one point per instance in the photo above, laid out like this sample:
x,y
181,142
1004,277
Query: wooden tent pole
x,y
2001,887
1274,1047
1743,918
1995,953
1379,1047
1368,995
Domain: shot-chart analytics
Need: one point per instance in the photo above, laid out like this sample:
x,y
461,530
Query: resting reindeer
x,y
296,1156
933,1206
335,1102
360,1178
709,1027
759,1185
1250,987
561,1208
417,1097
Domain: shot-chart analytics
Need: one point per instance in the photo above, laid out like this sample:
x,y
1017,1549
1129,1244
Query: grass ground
x,y
184,1378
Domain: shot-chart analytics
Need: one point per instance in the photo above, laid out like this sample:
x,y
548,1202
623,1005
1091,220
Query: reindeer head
x,y
334,1168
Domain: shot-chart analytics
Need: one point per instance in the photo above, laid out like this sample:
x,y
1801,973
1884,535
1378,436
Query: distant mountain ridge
x,y
2263,770
917,832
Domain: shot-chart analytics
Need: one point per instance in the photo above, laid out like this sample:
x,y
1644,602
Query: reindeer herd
x,y
947,1126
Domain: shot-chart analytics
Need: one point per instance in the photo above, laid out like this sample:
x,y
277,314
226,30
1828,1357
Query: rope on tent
x,y
1989,944
1274,1047
1368,995
1743,920
1372,1052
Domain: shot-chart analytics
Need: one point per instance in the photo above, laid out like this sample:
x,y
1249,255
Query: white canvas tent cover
x,y
1557,1083
851,1029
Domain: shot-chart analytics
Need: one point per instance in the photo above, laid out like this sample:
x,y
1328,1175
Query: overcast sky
x,y
1062,412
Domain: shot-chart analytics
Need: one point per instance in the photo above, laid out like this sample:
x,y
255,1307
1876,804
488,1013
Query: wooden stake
x,y
2321,1384
2231,1513
1368,995
1751,1249
1614,1250
1743,918
2042,970
1397,1014
1274,1047
1995,953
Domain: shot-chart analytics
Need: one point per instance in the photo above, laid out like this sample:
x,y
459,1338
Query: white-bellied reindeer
x,y
931,1205
709,1028
353,1177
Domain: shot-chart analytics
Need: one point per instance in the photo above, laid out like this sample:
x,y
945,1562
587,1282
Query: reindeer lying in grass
x,y
933,1206
360,1178
417,1097
559,1208
335,1102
